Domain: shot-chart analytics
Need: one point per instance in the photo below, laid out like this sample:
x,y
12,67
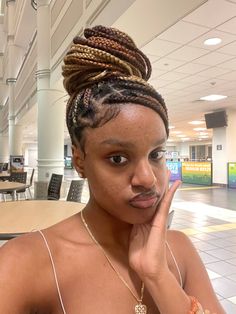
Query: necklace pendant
x,y
140,309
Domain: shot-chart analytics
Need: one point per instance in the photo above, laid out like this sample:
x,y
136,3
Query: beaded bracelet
x,y
196,307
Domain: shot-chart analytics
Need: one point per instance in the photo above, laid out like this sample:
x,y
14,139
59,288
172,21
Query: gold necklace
x,y
139,308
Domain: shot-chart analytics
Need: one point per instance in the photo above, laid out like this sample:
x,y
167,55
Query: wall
x,y
31,155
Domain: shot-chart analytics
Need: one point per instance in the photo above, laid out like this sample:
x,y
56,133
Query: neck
x,y
108,230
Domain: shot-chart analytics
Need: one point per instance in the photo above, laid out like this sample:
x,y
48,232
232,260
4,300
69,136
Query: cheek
x,y
103,182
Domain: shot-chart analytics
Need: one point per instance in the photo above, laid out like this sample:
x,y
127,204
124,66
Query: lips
x,y
144,201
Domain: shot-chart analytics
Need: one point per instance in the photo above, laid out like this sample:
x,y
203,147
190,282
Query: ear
x,y
78,160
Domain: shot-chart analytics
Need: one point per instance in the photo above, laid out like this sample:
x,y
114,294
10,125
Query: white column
x,y
4,151
224,148
50,108
15,132
16,137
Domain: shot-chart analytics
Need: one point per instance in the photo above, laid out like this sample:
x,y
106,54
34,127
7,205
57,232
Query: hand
x,y
147,250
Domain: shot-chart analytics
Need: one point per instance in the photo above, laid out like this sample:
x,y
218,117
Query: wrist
x,y
166,288
158,279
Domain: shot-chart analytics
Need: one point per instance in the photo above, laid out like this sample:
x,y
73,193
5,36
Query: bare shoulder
x,y
26,274
20,266
179,241
19,251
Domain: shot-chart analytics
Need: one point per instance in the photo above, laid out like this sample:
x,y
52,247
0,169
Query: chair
x,y
5,166
54,186
75,191
9,236
20,177
28,186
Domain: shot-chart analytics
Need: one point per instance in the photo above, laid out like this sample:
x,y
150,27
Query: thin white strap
x,y
54,271
176,265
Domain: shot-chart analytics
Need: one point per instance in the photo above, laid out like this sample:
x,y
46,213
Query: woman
x,y
117,255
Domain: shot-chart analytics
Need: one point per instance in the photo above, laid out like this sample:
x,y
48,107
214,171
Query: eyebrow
x,y
116,142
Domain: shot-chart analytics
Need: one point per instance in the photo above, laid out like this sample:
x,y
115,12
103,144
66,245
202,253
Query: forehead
x,y
134,124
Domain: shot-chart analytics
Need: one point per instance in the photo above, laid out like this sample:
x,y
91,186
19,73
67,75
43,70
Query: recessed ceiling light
x,y
213,97
176,132
171,127
180,135
199,129
212,41
196,122
203,133
205,136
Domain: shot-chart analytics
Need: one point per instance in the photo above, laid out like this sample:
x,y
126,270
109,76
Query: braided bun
x,y
106,68
104,52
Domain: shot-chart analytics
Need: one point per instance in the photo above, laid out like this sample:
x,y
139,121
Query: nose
x,y
143,175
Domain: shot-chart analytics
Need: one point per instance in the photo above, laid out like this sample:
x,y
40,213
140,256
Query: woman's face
x,y
125,164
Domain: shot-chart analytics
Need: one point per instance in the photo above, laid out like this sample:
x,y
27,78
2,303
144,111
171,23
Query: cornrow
x,y
101,72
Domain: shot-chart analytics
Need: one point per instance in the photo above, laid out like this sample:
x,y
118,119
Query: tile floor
x,y
212,230
208,217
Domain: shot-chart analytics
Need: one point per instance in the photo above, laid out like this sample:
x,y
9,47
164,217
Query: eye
x,y
157,154
118,160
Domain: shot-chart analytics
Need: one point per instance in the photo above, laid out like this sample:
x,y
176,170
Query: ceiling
x,y
184,69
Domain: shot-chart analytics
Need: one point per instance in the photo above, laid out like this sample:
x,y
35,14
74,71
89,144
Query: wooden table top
x,y
29,215
11,186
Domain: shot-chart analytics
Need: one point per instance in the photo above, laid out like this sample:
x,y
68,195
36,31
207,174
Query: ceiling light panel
x,y
167,64
183,32
229,49
161,47
213,58
213,97
196,122
231,65
229,26
192,68
204,14
226,38
187,53
212,41
199,129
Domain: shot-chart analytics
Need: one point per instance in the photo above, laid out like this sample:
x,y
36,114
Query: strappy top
x,y
55,272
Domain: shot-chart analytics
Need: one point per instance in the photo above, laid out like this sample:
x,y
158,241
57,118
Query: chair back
x,y
54,186
75,191
20,177
5,166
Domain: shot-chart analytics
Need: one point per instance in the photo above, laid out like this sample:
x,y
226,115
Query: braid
x,y
101,72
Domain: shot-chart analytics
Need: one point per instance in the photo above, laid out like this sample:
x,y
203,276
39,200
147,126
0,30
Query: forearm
x,y
169,297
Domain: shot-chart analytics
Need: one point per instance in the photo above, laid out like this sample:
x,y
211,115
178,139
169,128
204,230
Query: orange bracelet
x,y
196,307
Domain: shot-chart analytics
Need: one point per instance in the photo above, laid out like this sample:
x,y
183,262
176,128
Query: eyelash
x,y
118,164
162,151
152,153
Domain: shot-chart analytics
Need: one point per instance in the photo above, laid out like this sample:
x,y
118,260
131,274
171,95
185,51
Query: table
x,y
25,216
6,186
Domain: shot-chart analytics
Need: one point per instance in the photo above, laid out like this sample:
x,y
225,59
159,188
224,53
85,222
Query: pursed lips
x,y
144,200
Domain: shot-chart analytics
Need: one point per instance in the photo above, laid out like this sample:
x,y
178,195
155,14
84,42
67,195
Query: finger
x,y
161,217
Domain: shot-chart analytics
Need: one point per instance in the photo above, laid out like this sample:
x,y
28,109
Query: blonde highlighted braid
x,y
101,72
